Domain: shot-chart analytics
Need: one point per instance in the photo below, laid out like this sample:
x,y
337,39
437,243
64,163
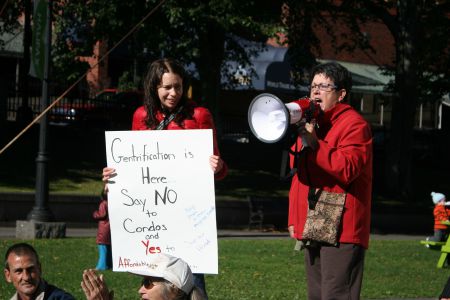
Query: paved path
x,y
10,232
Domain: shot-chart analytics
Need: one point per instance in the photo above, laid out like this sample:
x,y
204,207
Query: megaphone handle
x,y
284,164
285,161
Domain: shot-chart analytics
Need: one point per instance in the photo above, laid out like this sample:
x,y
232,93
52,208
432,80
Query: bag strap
x,y
163,124
285,163
314,193
313,197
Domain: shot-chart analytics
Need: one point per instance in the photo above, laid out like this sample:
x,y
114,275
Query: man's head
x,y
23,269
330,84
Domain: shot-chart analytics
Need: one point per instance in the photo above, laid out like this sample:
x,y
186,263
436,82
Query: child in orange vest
x,y
441,213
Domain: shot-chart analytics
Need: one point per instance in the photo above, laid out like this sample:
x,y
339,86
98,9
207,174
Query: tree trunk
x,y
400,144
212,42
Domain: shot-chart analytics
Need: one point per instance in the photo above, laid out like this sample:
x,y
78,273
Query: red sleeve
x,y
102,212
205,121
139,119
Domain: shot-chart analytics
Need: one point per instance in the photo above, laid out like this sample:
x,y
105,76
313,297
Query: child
x,y
441,213
103,234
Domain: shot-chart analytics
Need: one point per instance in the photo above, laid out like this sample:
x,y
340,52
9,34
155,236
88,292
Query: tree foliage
x,y
9,18
203,34
421,33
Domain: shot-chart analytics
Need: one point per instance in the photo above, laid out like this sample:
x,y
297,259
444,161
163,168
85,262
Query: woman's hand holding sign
x,y
216,163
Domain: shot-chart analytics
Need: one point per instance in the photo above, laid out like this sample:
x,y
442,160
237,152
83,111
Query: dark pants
x,y
334,272
199,281
440,235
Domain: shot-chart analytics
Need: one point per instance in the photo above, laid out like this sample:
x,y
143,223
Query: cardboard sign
x,y
162,199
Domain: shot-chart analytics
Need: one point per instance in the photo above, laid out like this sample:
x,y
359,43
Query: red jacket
x,y
202,119
342,163
103,231
441,213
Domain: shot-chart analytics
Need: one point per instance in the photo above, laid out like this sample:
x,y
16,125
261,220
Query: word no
x,y
168,195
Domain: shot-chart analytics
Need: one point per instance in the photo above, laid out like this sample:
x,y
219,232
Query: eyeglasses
x,y
323,87
146,282
149,282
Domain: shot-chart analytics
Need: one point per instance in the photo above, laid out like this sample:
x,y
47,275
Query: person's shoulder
x,y
140,112
139,116
349,111
201,112
55,293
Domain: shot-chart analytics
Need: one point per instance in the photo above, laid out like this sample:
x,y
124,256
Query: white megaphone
x,y
269,118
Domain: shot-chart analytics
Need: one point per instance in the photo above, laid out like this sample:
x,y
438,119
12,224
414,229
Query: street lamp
x,y
41,211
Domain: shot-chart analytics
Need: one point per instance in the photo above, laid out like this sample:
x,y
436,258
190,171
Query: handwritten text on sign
x,y
162,199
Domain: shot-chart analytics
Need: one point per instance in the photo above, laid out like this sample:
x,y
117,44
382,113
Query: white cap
x,y
437,197
171,268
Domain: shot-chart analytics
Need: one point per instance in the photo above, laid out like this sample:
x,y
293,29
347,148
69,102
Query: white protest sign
x,y
162,199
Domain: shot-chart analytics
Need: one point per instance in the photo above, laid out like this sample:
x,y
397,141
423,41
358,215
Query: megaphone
x,y
269,118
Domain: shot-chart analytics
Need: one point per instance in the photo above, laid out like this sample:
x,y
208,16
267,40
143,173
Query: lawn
x,y
255,269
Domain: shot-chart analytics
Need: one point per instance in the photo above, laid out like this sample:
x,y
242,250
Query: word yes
x,y
150,249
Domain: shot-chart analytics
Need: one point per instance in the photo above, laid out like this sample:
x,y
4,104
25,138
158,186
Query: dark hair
x,y
19,250
336,72
153,79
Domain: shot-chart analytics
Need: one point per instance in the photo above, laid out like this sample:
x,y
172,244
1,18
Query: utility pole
x,y
41,211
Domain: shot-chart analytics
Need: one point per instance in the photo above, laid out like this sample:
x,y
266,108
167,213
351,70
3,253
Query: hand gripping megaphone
x,y
269,118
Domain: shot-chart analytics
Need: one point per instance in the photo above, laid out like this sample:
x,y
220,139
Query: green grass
x,y
255,269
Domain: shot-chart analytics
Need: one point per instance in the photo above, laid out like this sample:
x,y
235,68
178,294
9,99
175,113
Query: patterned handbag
x,y
324,216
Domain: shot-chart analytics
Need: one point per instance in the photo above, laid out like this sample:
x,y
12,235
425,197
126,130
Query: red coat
x,y
103,231
202,119
441,213
342,163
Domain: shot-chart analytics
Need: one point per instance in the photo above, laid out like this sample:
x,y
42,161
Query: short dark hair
x,y
20,249
336,72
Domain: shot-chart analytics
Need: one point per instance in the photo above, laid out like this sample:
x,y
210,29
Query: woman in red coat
x,y
167,107
337,158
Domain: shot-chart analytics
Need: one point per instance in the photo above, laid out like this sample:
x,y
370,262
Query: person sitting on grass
x,y
166,278
23,270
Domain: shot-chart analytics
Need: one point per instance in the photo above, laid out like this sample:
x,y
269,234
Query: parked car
x,y
109,110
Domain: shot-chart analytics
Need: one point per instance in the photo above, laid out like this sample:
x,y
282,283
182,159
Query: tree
x,y
205,33
421,33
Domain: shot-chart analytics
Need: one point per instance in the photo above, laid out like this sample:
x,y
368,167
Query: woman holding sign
x,y
167,107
